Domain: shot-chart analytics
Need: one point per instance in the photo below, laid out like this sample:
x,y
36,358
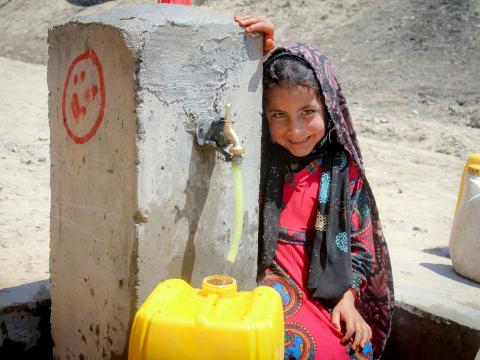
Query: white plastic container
x,y
465,236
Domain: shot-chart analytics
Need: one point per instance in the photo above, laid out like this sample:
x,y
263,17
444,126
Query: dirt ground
x,y
410,72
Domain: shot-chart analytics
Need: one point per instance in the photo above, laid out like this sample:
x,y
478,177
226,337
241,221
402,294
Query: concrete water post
x,y
134,200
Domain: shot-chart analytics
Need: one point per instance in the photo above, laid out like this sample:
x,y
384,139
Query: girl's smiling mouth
x,y
301,141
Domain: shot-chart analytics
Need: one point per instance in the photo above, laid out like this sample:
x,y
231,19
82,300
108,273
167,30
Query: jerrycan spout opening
x,y
220,285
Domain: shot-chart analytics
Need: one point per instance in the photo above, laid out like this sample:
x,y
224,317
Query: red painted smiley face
x,y
83,100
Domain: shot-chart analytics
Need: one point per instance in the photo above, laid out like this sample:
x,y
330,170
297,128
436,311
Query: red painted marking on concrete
x,y
77,110
87,111
94,91
88,94
91,93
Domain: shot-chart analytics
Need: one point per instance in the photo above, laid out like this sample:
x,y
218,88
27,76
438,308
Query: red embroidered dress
x,y
309,332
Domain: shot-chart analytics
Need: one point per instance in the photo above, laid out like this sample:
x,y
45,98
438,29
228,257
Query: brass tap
x,y
229,134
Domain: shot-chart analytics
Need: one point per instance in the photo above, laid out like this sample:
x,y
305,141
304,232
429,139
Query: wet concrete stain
x,y
202,162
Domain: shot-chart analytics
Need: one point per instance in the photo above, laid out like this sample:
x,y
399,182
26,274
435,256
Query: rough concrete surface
x,y
418,334
94,195
134,200
195,185
25,322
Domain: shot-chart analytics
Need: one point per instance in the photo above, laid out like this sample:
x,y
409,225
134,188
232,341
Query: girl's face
x,y
296,118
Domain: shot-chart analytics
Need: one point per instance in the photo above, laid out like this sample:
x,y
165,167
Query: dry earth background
x,y
411,73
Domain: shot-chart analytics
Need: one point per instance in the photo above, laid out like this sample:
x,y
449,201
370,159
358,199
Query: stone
x,y
474,122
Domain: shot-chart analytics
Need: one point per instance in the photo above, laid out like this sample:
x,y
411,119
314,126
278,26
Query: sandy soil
x,y
410,73
25,175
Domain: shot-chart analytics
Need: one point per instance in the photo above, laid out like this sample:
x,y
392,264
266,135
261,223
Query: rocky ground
x,y
410,70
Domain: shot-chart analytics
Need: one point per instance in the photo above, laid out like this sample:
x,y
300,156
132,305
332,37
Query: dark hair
x,y
287,71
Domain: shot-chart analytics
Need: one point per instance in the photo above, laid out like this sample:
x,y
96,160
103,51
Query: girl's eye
x,y
307,112
278,115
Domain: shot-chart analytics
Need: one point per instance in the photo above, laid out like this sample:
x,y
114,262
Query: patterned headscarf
x,y
328,281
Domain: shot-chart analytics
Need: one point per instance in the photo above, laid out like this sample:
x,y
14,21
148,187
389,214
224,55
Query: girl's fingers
x,y
349,333
243,17
358,336
247,17
248,20
365,337
255,20
336,319
263,27
269,45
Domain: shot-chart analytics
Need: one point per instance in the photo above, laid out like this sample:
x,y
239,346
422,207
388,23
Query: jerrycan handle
x,y
474,170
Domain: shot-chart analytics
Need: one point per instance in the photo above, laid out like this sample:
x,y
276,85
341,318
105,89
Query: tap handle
x,y
230,135
228,116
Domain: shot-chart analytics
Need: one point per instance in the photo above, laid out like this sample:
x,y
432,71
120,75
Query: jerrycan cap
x,y
474,159
474,170
221,285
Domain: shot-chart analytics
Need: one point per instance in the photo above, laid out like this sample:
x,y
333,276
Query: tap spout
x,y
236,149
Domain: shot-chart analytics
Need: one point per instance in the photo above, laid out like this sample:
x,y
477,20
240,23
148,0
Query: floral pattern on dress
x,y
288,290
299,342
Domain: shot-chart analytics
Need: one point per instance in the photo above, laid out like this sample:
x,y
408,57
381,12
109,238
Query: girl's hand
x,y
261,24
346,312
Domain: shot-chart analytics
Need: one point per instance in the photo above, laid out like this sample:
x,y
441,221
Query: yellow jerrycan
x,y
178,322
473,159
465,236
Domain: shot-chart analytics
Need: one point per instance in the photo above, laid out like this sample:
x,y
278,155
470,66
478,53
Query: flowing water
x,y
238,213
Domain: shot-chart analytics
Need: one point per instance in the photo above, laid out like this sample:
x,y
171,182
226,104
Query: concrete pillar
x,y
134,200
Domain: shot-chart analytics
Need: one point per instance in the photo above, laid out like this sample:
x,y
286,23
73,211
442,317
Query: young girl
x,y
321,245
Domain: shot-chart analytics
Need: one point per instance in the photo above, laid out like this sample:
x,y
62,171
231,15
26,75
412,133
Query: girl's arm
x,y
261,24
